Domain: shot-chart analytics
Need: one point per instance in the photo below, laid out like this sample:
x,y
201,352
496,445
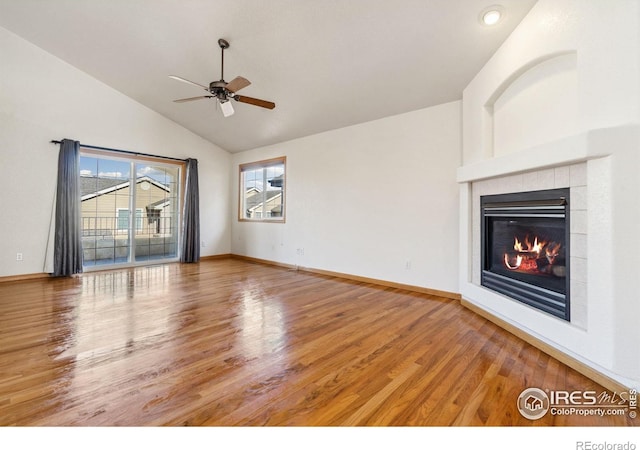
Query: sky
x,y
108,168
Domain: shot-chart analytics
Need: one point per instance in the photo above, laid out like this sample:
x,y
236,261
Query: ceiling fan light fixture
x,y
227,108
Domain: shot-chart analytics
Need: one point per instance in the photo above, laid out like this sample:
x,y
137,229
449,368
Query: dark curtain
x,y
191,215
67,252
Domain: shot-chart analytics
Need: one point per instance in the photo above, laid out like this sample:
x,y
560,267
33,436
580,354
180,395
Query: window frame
x,y
262,164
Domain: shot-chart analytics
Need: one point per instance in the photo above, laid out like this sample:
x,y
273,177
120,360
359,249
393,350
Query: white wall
x,y
602,129
43,98
367,200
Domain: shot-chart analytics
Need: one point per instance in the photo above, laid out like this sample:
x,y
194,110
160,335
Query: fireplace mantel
x,y
581,147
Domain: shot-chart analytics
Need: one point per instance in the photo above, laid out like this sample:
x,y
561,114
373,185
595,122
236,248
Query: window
x,y
123,219
262,190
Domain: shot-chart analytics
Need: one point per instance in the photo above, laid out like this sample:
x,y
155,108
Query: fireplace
x,y
525,248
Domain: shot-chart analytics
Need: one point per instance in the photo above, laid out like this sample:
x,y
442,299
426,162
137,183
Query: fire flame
x,y
529,253
536,247
552,252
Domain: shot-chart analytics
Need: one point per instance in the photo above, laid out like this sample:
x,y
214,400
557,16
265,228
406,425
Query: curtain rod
x,y
128,152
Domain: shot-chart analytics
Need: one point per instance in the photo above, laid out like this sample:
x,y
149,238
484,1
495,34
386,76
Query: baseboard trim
x,y
214,257
267,262
346,276
392,284
579,366
24,277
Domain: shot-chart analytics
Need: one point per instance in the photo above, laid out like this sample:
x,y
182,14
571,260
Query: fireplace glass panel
x,y
530,249
525,248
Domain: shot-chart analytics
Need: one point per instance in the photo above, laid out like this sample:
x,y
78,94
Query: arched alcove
x,y
537,104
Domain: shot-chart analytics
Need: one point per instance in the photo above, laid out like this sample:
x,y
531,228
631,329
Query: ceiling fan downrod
x,y
218,88
223,45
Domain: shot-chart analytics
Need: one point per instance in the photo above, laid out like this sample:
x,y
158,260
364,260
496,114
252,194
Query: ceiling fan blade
x,y
184,80
254,101
190,99
237,83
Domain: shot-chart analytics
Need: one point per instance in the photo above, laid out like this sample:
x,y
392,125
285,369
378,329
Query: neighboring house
x,y
277,182
105,207
258,208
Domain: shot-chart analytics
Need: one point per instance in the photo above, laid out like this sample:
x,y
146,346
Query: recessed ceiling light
x,y
491,15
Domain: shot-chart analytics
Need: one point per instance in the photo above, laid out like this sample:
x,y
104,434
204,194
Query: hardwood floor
x,y
233,343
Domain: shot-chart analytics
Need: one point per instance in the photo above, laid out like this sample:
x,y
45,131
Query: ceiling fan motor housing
x,y
218,88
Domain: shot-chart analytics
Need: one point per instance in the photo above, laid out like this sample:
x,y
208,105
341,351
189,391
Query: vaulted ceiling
x,y
326,64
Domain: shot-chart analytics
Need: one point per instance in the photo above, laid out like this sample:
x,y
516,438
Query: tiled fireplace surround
x,y
573,176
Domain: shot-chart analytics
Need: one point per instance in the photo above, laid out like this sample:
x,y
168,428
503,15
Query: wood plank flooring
x,y
234,343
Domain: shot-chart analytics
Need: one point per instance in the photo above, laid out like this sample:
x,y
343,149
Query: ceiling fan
x,y
223,91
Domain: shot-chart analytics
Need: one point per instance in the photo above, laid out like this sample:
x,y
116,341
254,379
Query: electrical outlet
x,y
300,251
407,265
202,244
18,256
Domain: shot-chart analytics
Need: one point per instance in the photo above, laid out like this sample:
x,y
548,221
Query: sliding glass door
x,y
130,209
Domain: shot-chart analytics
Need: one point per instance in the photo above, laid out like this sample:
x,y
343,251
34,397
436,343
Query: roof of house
x,y
277,181
256,200
93,186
